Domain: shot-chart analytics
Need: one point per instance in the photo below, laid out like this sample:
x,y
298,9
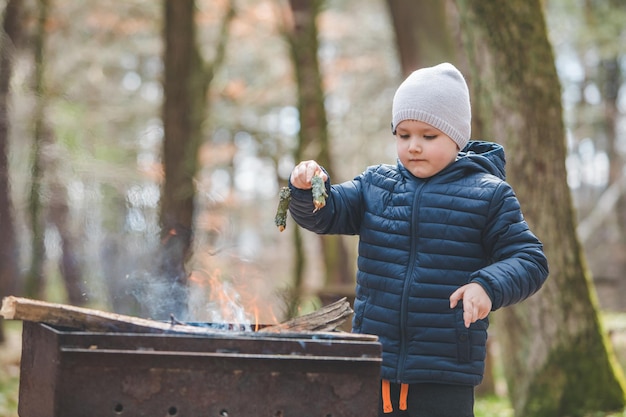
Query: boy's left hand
x,y
476,302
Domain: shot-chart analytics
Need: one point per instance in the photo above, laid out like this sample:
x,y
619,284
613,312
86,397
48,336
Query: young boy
x,y
442,242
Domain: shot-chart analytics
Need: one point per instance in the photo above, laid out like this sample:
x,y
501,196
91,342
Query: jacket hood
x,y
481,156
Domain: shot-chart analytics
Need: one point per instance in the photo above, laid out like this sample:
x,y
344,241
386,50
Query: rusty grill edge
x,y
76,374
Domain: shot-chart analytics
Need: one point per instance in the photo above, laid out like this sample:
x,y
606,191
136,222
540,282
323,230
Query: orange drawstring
x,y
386,394
387,407
404,392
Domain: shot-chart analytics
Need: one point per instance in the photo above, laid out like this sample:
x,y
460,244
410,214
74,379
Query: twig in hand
x,y
319,191
283,205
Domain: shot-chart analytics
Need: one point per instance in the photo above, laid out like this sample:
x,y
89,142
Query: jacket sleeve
x,y
340,215
519,266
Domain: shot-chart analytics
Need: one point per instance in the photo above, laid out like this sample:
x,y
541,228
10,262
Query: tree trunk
x,y
422,36
557,359
35,280
9,253
187,79
610,79
70,264
182,111
47,182
313,136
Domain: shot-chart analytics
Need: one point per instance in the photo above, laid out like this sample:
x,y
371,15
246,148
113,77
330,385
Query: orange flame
x,y
223,301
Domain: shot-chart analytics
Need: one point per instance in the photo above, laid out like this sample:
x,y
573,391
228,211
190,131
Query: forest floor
x,y
492,406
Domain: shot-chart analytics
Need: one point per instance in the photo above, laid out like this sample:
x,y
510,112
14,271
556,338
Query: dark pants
x,y
432,400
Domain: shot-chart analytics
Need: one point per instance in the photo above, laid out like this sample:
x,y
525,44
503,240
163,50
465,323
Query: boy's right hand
x,y
303,173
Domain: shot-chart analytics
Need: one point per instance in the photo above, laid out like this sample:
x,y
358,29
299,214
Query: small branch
x,y
222,41
327,318
601,210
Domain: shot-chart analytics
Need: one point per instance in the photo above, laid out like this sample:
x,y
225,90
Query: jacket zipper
x,y
407,282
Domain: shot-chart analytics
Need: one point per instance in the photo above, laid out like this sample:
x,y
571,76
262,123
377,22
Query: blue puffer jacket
x,y
420,240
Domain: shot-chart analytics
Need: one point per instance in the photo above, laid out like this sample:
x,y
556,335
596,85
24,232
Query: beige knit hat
x,y
438,96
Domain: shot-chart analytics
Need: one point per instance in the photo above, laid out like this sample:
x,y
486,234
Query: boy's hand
x,y
303,172
476,302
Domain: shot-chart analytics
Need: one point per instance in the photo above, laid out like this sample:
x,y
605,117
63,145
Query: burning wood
x,y
325,319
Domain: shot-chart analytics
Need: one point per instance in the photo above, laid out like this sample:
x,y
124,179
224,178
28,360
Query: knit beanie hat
x,y
438,96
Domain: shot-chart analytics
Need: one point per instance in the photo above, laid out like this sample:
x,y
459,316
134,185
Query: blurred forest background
x,y
85,150
101,97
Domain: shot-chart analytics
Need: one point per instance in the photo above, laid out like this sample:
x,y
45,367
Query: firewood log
x,y
325,319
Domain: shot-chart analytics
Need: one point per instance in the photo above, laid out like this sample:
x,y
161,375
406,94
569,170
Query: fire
x,y
225,301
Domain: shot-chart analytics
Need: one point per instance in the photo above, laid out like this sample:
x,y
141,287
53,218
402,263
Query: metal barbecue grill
x,y
72,373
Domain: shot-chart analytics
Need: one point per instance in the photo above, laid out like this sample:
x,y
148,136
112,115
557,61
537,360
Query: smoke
x,y
220,302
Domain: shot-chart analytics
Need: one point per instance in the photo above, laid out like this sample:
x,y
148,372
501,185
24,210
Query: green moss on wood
x,y
580,379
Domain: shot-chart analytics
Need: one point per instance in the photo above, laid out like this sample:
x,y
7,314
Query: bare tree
x,y
602,227
423,36
9,253
48,194
301,33
186,81
558,361
35,280
59,216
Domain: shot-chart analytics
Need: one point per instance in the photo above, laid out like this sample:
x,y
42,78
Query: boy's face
x,y
423,149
